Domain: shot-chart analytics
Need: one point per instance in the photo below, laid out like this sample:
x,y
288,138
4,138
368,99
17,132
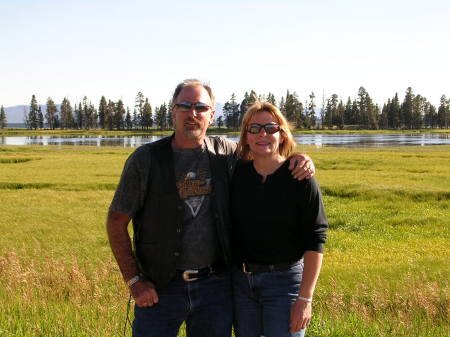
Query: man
x,y
176,192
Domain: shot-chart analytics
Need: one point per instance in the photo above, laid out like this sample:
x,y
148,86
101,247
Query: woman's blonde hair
x,y
285,148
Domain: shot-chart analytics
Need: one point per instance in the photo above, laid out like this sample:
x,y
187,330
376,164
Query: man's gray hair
x,y
192,82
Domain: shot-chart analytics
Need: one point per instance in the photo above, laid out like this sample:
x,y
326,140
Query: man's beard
x,y
192,132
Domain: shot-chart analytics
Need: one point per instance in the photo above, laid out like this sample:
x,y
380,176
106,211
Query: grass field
x,y
386,270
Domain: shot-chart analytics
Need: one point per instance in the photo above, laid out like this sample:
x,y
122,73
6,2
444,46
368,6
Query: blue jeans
x,y
205,305
262,302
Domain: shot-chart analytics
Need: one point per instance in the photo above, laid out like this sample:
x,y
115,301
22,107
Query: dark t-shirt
x,y
199,237
275,221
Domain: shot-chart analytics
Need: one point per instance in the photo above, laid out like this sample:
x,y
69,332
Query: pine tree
x,y
384,114
271,99
57,121
293,109
109,115
138,109
40,118
231,111
67,119
86,114
169,120
169,114
375,117
443,113
339,116
430,117
119,114
331,111
238,115
79,118
290,105
220,121
406,109
373,113
161,116
102,112
368,113
362,118
310,114
128,120
249,99
348,113
355,112
147,117
163,111
322,110
52,114
32,119
226,110
282,106
2,118
418,111
393,114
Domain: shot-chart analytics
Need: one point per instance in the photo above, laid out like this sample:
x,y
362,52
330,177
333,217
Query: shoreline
x,y
221,131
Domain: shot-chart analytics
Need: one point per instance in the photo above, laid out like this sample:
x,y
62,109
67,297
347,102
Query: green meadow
x,y
386,269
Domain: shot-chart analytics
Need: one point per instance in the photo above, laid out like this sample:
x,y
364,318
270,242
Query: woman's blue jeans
x,y
262,302
205,305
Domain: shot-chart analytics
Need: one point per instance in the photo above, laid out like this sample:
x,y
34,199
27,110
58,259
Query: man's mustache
x,y
192,120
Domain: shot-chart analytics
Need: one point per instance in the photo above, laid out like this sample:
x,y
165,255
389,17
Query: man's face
x,y
191,122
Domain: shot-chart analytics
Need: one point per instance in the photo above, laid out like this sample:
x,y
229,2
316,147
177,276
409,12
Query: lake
x,y
318,139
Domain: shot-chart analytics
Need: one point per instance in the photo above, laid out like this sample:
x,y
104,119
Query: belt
x,y
253,268
190,275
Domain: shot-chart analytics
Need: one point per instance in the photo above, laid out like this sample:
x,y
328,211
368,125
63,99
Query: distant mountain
x,y
16,114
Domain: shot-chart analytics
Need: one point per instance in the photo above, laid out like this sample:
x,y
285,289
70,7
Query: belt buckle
x,y
244,269
186,275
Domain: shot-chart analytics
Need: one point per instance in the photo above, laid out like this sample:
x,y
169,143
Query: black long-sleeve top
x,y
277,220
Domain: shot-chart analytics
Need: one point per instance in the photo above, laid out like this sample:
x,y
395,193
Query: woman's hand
x,y
301,312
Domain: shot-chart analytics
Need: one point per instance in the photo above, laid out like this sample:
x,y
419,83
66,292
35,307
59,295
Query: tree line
x,y
414,112
109,115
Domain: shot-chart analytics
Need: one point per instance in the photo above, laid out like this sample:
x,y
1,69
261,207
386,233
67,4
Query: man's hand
x,y
300,315
301,166
144,293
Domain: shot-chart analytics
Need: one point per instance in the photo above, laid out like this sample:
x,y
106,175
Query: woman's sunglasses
x,y
270,128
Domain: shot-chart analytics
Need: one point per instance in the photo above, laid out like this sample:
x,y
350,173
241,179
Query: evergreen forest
x,y
409,112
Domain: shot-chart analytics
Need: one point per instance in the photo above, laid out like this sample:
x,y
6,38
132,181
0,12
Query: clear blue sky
x,y
117,48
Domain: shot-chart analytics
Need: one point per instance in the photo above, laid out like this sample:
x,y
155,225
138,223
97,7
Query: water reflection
x,y
343,140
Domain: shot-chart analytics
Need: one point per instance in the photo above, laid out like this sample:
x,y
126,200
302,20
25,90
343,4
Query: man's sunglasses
x,y
270,128
198,107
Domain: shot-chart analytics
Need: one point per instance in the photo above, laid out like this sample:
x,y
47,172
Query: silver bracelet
x,y
304,299
133,280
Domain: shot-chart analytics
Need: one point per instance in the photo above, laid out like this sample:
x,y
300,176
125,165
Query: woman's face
x,y
263,144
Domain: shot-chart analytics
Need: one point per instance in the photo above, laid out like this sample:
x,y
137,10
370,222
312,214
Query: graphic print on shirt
x,y
193,188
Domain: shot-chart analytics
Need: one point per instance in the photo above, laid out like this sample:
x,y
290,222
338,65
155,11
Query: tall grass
x,y
385,273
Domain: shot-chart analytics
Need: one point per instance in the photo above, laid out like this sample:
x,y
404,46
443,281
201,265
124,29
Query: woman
x,y
279,228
